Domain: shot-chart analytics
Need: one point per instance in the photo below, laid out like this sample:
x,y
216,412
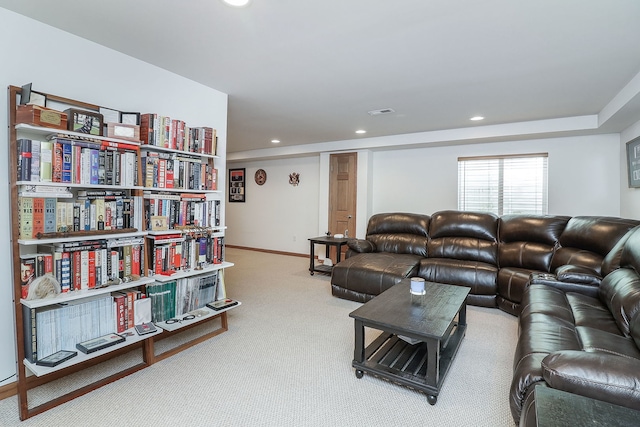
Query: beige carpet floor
x,y
286,361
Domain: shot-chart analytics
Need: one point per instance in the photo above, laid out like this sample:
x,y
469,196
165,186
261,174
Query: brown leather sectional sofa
x,y
573,282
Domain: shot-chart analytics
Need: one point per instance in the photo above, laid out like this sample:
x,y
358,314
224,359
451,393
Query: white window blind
x,y
503,184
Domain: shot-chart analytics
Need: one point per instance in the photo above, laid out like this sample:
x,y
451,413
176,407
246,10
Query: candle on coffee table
x,y
417,286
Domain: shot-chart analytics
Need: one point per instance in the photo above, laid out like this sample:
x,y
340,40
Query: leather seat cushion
x,y
479,276
374,273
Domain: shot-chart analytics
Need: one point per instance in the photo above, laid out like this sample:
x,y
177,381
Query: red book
x,y
158,261
120,304
48,263
135,260
77,270
92,269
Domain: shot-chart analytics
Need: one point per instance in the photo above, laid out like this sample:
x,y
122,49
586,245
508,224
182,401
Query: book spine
x,y
35,161
38,216
46,161
50,215
25,209
56,162
30,334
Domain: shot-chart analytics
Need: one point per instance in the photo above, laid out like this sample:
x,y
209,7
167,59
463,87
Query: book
x,y
35,161
30,334
38,216
27,273
46,161
56,162
67,162
50,215
24,159
25,213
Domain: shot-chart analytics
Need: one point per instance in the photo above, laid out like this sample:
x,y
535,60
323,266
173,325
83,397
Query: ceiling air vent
x,y
381,111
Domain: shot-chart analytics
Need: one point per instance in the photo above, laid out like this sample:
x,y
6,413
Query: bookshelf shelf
x,y
62,182
171,150
84,293
131,338
46,132
88,235
207,314
191,273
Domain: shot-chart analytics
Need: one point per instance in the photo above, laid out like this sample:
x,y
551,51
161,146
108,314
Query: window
x,y
503,184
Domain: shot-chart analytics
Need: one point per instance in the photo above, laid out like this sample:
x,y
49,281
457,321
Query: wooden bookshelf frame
x,y
146,344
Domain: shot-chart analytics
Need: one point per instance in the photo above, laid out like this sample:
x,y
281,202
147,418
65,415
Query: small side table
x,y
328,241
557,408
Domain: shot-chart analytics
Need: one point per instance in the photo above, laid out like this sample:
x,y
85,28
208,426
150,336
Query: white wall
x,y
34,52
276,216
583,175
584,179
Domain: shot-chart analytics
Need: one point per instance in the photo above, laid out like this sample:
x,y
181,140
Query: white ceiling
x,y
307,71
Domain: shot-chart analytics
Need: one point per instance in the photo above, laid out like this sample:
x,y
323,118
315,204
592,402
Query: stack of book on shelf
x,y
163,131
62,326
91,210
73,161
181,210
178,297
174,252
85,264
178,171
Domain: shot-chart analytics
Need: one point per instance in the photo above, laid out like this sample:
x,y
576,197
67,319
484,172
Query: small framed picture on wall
x,y
237,185
633,162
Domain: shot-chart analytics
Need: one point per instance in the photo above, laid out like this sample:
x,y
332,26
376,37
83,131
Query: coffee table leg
x,y
433,368
358,352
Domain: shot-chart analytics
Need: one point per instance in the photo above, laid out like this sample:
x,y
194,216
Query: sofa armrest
x,y
578,274
583,285
361,245
607,377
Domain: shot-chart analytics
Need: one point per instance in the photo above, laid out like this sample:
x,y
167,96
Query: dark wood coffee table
x,y
437,321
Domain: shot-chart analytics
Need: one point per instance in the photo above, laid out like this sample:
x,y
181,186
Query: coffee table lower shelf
x,y
394,359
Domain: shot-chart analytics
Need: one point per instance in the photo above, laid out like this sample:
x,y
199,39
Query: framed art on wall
x,y
237,185
633,162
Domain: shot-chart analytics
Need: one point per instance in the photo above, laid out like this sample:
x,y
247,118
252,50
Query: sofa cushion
x,y
480,277
400,233
373,273
586,240
578,274
605,377
475,225
620,292
597,340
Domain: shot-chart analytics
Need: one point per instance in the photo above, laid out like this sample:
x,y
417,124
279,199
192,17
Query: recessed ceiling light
x,y
361,131
275,141
476,118
237,3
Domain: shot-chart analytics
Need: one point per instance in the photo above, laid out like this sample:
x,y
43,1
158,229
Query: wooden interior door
x,y
342,196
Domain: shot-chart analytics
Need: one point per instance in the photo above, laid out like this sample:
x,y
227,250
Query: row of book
x,y
180,210
84,264
176,298
62,326
77,162
183,252
163,131
40,215
174,171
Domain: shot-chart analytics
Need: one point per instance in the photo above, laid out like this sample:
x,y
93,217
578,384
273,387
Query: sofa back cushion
x,y
620,289
587,240
529,241
466,236
401,233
